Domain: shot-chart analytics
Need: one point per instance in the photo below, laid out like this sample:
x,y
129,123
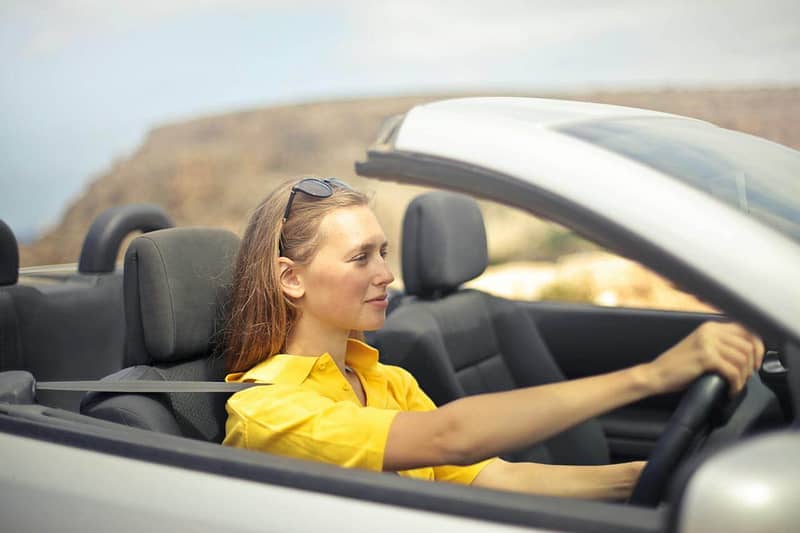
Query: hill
x,y
212,170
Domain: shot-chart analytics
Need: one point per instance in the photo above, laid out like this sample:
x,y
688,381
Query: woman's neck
x,y
311,338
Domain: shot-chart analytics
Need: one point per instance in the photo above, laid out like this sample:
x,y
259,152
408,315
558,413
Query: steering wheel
x,y
692,415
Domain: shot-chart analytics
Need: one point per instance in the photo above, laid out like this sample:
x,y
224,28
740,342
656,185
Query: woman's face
x,y
345,283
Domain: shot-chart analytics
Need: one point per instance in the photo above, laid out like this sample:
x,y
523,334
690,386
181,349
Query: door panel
x,y
586,340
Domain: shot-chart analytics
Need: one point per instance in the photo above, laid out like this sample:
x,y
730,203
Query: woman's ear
x,y
291,283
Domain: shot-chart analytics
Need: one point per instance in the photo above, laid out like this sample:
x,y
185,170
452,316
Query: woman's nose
x,y
385,276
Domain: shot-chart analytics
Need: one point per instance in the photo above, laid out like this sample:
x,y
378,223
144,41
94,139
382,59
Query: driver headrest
x,y
9,256
444,243
176,282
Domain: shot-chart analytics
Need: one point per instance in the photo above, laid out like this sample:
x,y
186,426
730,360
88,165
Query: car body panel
x,y
749,487
87,490
77,446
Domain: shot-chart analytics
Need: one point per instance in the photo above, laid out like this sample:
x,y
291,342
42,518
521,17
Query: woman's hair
x,y
260,315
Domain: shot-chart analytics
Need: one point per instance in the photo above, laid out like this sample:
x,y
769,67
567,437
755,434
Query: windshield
x,y
758,177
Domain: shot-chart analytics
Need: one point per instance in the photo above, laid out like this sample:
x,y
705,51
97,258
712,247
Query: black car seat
x,y
459,342
10,348
70,325
175,284
9,256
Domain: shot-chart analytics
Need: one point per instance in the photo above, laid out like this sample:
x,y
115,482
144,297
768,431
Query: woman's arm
x,y
471,429
476,427
606,482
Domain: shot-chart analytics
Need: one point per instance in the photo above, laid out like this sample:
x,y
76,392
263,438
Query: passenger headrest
x,y
9,256
176,282
444,243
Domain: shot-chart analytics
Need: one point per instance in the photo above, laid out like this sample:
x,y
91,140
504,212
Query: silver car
x,y
716,212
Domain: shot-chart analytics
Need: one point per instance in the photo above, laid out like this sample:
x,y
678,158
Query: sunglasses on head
x,y
314,187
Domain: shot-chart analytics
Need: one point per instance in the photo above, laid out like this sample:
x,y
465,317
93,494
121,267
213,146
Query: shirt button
x,y
345,388
323,366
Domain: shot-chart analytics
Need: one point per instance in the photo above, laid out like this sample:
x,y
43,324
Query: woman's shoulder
x,y
398,377
395,371
274,399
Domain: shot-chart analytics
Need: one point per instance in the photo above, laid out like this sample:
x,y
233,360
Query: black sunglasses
x,y
314,187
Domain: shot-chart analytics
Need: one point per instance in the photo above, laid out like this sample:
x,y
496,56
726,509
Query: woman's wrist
x,y
647,379
633,471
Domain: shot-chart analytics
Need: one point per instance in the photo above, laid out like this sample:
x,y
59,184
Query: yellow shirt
x,y
311,412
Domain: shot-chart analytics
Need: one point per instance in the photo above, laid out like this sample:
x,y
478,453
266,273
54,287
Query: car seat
x,y
175,284
459,342
61,325
10,348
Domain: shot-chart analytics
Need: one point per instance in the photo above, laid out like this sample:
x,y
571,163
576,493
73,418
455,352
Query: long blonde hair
x,y
260,315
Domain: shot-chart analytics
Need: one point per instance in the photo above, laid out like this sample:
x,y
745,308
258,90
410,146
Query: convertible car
x,y
714,211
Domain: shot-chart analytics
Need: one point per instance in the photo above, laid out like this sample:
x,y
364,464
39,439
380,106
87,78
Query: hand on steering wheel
x,y
727,354
723,348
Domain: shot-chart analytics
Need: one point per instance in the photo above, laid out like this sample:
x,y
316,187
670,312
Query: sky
x,y
83,81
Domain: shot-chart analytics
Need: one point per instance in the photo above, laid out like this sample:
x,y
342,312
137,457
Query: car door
x,y
586,340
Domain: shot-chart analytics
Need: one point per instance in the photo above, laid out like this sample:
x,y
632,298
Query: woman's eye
x,y
360,258
384,253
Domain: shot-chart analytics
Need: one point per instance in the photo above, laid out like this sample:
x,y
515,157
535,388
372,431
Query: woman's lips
x,y
380,301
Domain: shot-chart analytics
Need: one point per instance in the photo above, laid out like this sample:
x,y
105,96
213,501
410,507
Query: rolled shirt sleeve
x,y
417,400
294,422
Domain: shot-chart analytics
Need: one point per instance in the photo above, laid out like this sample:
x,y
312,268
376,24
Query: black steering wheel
x,y
692,415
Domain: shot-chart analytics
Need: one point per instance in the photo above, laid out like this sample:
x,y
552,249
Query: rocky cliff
x,y
213,170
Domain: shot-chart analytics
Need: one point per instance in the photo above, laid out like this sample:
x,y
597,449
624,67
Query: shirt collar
x,y
290,369
360,355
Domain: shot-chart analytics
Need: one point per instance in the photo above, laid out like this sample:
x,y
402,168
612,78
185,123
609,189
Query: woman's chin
x,y
372,325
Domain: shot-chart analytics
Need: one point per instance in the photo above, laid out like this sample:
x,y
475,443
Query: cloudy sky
x,y
82,81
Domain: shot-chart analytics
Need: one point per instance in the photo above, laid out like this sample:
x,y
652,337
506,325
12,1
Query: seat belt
x,y
143,386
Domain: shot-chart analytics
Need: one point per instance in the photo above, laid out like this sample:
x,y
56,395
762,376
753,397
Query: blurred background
x,y
201,106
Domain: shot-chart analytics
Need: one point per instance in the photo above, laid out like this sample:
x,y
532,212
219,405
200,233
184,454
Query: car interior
x,y
62,325
160,317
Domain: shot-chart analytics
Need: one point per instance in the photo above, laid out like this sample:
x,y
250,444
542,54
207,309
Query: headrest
x,y
444,243
9,256
176,282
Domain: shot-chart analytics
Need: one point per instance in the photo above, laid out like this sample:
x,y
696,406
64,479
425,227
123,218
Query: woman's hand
x,y
721,347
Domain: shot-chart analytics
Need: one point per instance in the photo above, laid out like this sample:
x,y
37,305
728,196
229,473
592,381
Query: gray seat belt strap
x,y
144,386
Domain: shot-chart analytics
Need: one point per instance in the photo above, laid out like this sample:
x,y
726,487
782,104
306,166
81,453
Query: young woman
x,y
312,274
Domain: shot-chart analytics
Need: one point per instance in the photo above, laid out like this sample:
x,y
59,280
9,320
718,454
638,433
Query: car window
x,y
531,259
